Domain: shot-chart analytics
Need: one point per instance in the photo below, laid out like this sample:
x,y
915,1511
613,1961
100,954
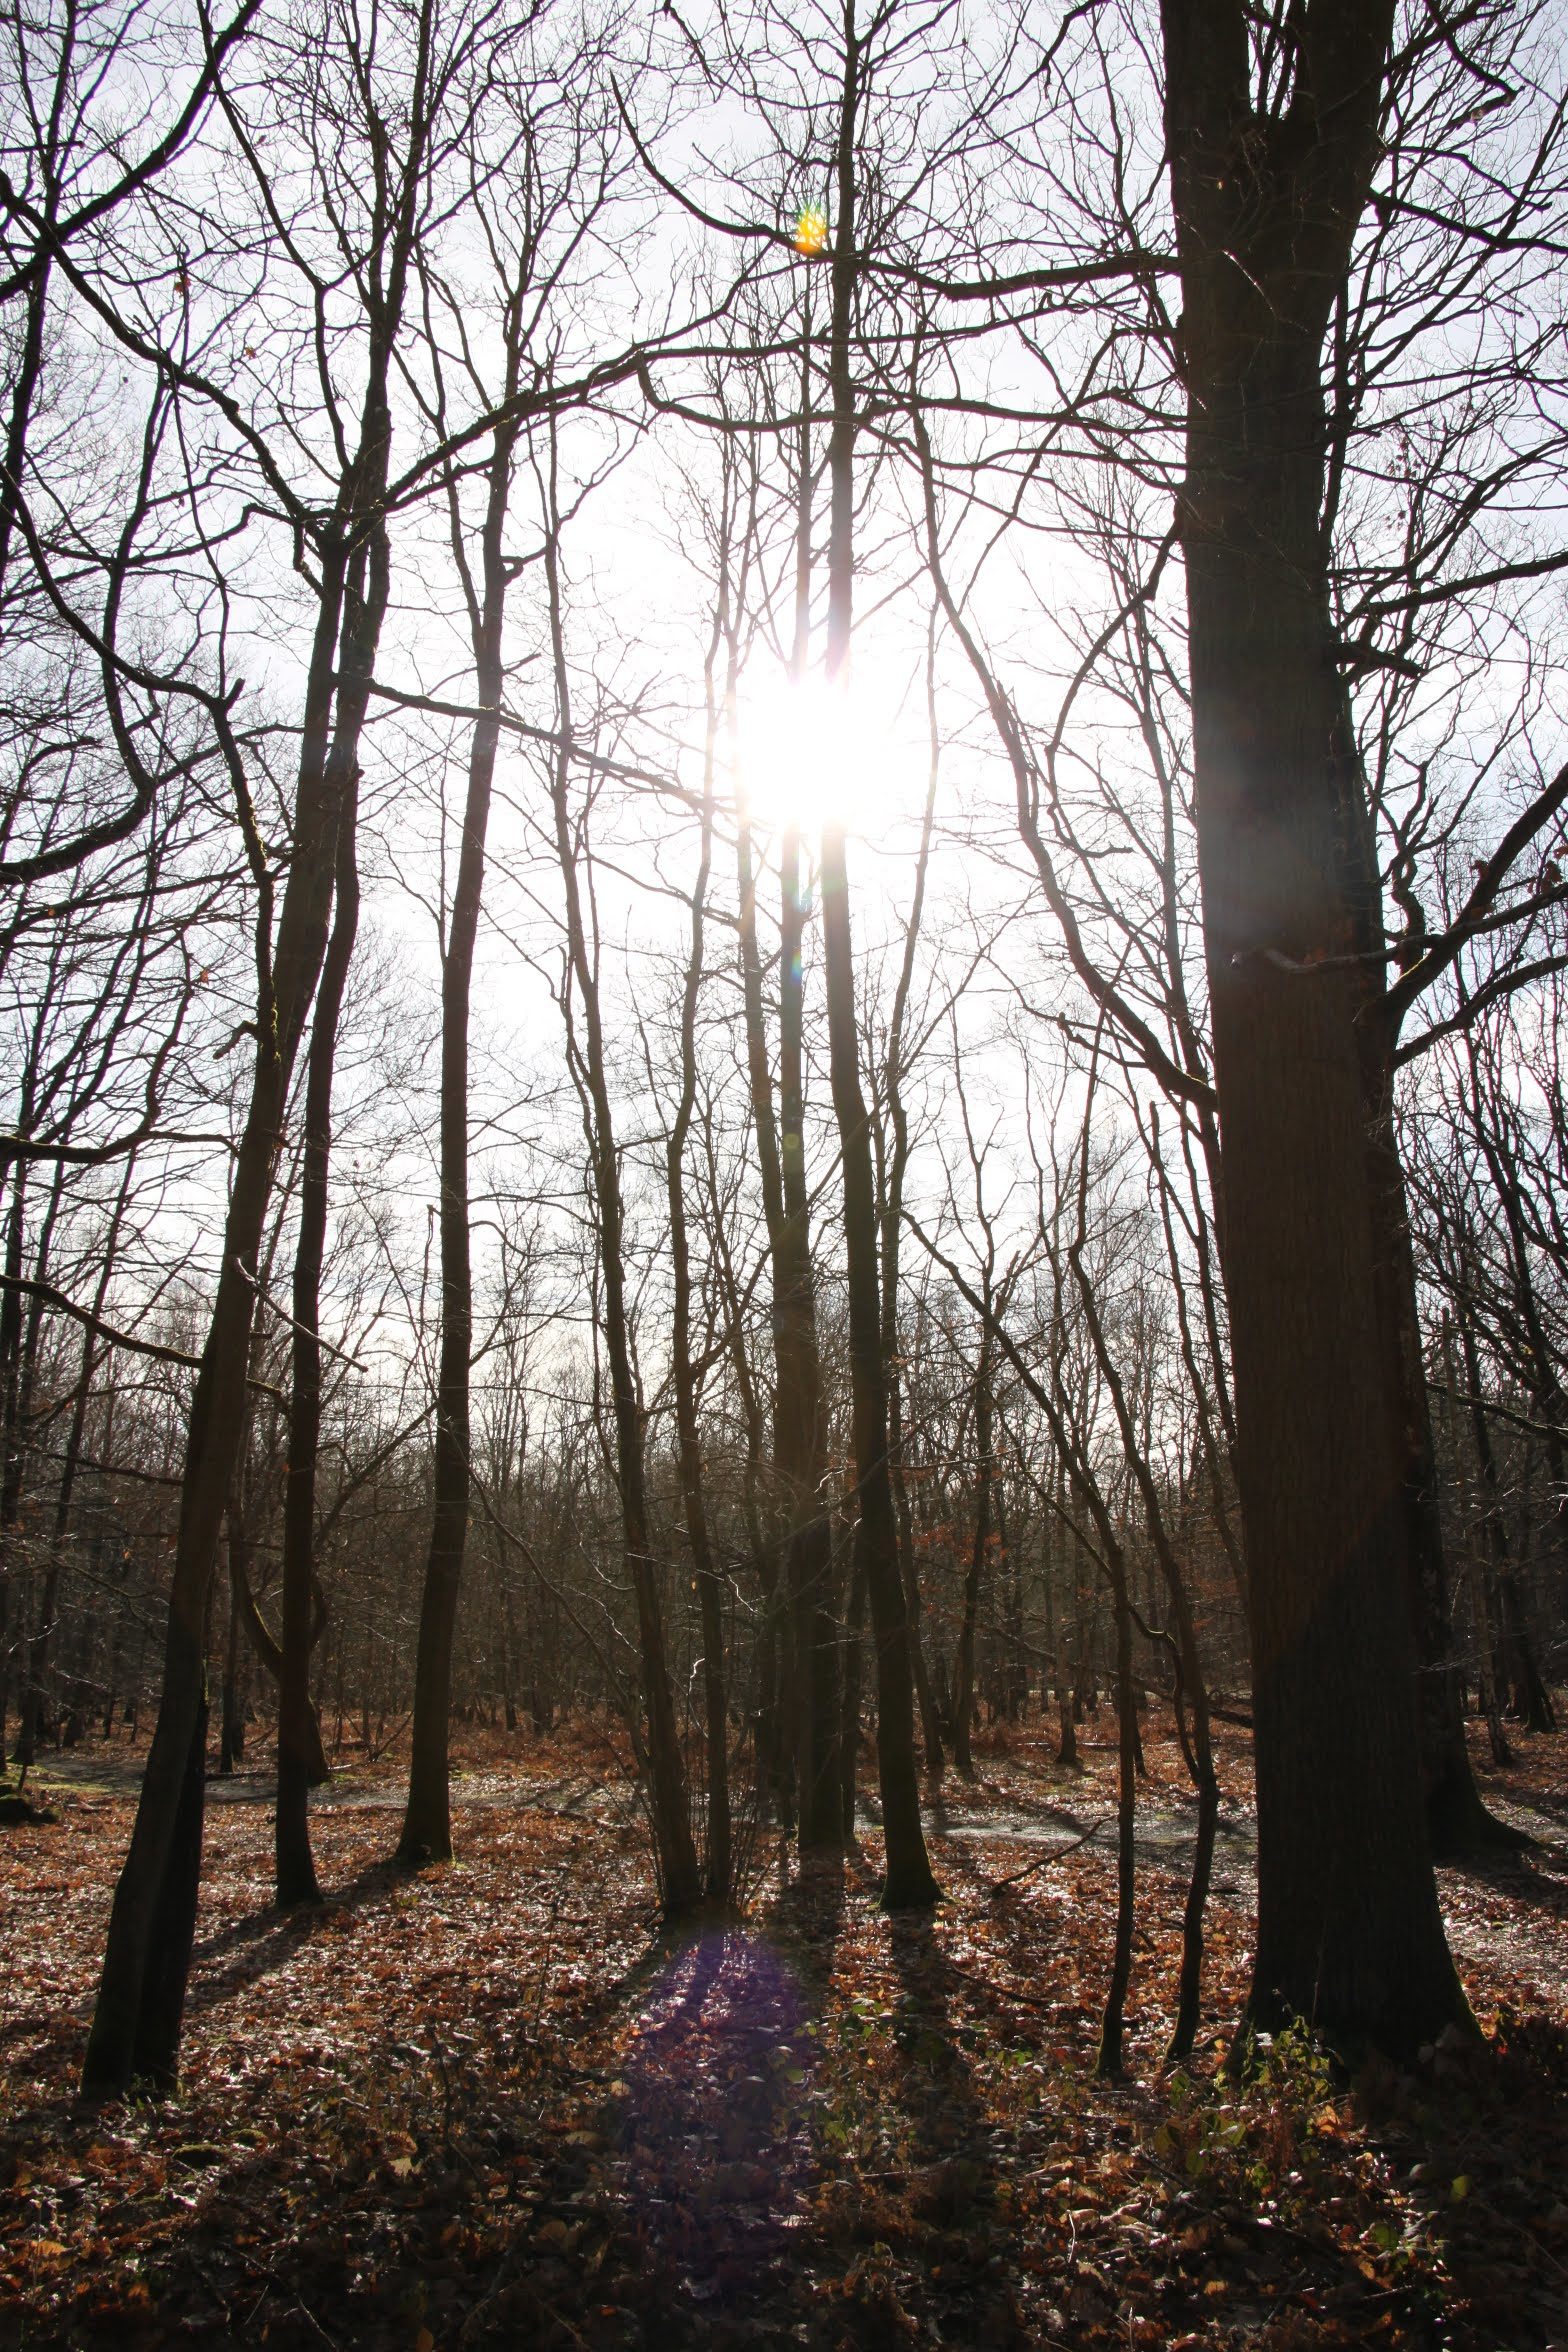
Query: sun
x,y
813,755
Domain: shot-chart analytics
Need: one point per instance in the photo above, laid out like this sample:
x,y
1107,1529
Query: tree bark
x,y
1350,1936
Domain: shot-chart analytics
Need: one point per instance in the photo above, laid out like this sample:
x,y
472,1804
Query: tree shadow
x,y
1488,2131
1535,1878
263,1940
709,2118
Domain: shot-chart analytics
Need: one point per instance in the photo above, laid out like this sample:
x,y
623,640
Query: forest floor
x,y
487,2106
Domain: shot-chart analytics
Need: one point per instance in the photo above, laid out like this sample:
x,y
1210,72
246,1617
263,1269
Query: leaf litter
x,y
490,2106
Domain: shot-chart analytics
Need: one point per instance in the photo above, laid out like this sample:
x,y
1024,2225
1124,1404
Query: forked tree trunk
x,y
269,1649
154,1902
1350,1936
1457,1820
134,2029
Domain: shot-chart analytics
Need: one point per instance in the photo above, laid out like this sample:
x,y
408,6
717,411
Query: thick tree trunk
x,y
172,1925
1349,1932
1457,1820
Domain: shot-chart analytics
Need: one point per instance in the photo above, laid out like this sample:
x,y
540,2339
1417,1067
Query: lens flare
x,y
811,230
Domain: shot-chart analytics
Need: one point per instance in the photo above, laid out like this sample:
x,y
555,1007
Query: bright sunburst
x,y
813,755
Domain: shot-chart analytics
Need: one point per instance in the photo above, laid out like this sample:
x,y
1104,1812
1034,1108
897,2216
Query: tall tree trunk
x,y
154,1900
298,1724
909,1883
783,1735
427,1819
799,1419
800,1429
892,1166
135,2030
680,1877
1108,2060
705,1568
1349,1931
11,1321
808,1651
979,1542
1457,1820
